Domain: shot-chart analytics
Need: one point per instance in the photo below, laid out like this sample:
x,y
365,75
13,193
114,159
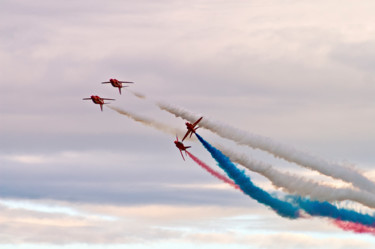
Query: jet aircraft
x,y
181,147
117,83
98,100
191,128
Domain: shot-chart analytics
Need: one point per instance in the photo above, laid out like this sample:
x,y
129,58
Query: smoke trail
x,y
354,227
212,171
300,185
277,149
357,222
137,94
284,209
326,209
288,182
147,121
345,225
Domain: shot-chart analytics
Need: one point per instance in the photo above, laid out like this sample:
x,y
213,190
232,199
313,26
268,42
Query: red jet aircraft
x,y
181,147
191,128
98,100
117,83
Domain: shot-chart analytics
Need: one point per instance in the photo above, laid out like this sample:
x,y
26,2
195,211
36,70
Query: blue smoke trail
x,y
288,208
283,208
326,209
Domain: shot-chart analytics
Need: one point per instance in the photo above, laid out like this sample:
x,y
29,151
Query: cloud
x,y
360,55
109,177
129,223
284,240
200,225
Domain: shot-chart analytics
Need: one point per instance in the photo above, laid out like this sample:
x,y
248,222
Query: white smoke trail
x,y
137,94
277,149
294,184
291,183
147,121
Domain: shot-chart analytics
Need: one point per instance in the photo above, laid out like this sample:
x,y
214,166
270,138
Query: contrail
x,y
294,184
277,149
283,208
212,171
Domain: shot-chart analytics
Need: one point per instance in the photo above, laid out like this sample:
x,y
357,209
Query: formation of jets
x,y
115,83
191,128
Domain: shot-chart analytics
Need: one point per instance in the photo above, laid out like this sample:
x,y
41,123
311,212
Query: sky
x,y
72,177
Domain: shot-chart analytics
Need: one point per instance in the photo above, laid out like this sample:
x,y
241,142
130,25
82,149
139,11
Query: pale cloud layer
x,y
68,224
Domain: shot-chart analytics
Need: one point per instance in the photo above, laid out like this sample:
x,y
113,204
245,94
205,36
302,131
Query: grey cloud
x,y
112,171
356,55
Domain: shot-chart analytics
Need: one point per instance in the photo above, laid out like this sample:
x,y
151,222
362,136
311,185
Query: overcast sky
x,y
299,72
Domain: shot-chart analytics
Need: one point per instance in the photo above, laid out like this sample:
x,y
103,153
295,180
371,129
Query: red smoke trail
x,y
212,171
354,227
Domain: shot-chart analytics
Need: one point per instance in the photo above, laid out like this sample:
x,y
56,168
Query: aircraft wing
x,y
182,155
187,134
86,98
125,81
107,99
196,122
106,82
